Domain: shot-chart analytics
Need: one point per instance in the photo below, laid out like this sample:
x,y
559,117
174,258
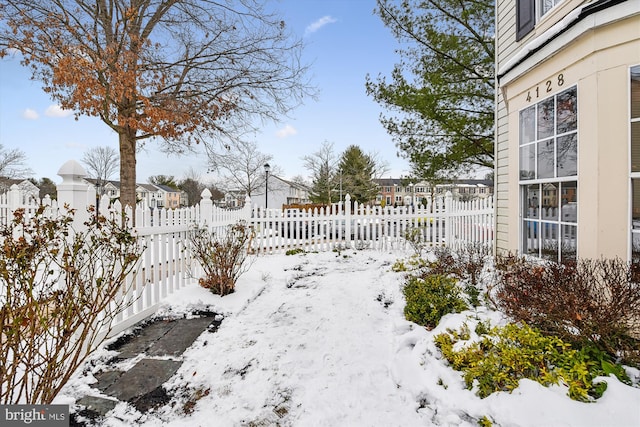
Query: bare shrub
x,y
222,257
414,237
59,292
465,264
595,301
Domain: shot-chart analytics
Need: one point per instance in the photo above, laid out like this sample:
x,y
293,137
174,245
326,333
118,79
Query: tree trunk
x,y
128,168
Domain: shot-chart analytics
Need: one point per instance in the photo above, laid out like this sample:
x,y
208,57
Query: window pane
x,y
528,125
546,115
635,147
635,204
549,202
569,242
567,111
569,199
528,162
532,201
546,155
567,164
547,5
635,247
635,92
530,238
549,239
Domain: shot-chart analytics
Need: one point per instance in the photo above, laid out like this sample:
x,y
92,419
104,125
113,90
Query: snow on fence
x,y
166,265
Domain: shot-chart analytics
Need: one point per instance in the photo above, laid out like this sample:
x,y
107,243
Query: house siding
x,y
594,54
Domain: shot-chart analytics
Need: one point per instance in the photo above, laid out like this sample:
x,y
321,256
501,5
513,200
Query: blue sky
x,y
344,41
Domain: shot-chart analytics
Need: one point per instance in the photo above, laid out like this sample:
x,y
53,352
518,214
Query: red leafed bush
x,y
596,301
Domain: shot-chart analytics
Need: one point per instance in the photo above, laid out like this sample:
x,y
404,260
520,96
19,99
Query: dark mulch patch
x,y
154,399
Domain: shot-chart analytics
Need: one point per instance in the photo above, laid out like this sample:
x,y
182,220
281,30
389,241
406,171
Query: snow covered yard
x,y
320,339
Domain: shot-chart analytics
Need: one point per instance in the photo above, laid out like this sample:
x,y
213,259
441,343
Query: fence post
x,y
206,209
13,198
73,191
347,220
448,232
246,209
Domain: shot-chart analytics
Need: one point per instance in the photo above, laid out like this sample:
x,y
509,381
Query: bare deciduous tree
x,y
192,185
179,71
323,167
242,166
101,162
13,163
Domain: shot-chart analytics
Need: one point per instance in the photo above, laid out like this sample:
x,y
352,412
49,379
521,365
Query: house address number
x,y
545,88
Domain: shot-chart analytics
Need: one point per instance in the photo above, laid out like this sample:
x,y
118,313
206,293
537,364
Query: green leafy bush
x,y
588,302
507,354
430,297
295,251
413,263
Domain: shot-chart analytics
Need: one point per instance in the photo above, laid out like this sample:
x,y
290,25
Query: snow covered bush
x,y
498,360
429,297
59,292
223,257
585,302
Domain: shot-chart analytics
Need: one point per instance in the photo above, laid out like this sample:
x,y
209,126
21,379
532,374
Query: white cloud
x,y
315,26
30,114
54,110
286,131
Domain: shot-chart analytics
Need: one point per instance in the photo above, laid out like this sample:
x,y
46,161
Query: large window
x,y
548,176
635,160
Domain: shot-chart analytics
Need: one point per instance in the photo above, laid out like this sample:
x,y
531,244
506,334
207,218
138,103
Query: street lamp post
x,y
411,192
98,196
267,168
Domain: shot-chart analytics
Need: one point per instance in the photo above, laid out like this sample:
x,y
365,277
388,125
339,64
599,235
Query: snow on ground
x,y
321,340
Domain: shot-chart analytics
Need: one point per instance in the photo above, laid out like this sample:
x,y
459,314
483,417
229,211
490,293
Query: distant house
x,y
28,191
466,189
148,195
169,197
281,192
233,199
400,192
106,188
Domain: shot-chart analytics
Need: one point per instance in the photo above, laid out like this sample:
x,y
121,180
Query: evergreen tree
x,y
441,93
357,171
167,180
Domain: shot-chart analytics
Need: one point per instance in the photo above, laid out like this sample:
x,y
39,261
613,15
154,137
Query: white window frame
x,y
539,6
523,183
632,175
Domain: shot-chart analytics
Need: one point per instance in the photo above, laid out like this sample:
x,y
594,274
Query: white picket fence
x,y
167,266
442,221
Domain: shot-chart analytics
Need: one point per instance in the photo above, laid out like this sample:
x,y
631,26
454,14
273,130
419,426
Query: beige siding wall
x,y
505,47
506,31
598,62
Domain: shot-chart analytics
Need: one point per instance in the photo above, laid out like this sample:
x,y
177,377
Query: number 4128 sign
x,y
545,88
